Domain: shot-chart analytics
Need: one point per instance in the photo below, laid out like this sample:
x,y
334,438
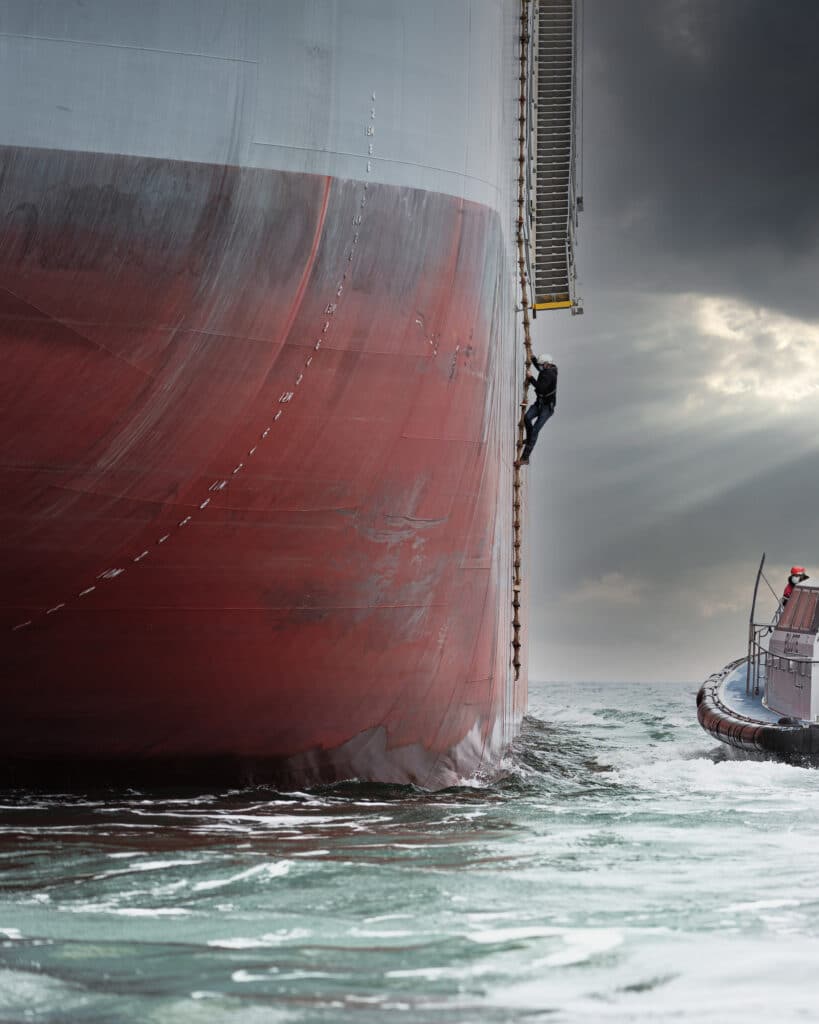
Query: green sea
x,y
623,869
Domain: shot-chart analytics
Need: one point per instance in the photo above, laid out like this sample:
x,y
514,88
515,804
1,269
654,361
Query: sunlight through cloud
x,y
766,355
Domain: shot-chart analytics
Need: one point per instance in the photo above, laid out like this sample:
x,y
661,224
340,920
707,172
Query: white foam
x,y
365,933
388,917
151,911
242,976
500,935
584,943
262,941
147,865
110,907
738,908
274,870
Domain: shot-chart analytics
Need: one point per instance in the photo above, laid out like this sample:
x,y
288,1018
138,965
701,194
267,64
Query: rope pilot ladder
x,y
547,203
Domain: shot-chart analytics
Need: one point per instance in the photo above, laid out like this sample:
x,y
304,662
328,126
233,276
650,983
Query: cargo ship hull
x,y
256,462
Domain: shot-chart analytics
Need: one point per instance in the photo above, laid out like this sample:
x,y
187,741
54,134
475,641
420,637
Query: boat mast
x,y
751,627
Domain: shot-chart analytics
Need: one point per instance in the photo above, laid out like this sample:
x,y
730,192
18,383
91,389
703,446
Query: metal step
x,y
552,150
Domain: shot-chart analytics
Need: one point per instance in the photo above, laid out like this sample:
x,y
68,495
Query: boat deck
x,y
733,695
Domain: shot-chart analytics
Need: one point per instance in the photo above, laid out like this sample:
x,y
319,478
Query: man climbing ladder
x,y
543,407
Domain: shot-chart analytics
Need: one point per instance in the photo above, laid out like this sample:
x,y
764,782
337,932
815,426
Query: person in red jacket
x,y
797,575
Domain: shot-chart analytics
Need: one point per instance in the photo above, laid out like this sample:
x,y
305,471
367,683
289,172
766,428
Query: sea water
x,y
623,870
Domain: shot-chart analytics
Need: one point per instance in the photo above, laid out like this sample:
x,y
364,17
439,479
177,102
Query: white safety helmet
x,y
544,359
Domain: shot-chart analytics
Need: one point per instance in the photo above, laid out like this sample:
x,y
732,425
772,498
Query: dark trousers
x,y
537,416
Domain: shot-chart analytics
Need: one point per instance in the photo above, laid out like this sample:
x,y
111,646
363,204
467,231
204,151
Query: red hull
x,y
269,419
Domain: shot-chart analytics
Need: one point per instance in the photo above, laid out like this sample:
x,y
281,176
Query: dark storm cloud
x,y
703,116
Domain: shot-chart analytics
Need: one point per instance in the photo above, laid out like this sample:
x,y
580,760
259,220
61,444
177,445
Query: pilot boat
x,y
767,702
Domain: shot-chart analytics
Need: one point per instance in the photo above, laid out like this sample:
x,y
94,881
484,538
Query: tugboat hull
x,y
744,723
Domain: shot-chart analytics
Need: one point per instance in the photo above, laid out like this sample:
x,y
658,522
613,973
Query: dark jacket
x,y
545,383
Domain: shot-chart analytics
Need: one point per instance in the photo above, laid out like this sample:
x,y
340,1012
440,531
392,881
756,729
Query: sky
x,y
686,439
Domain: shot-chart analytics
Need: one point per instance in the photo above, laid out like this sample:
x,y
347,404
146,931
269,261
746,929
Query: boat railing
x,y
758,652
757,656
